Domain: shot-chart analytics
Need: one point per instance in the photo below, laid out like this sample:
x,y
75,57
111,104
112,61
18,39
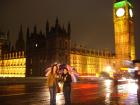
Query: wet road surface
x,y
83,93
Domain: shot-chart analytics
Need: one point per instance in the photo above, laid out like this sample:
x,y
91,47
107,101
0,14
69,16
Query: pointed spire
x,y
8,35
35,29
27,33
56,22
69,28
47,27
21,32
20,44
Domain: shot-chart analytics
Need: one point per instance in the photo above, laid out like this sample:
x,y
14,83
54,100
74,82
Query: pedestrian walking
x,y
52,84
67,86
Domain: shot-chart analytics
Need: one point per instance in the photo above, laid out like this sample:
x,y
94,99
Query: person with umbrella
x,y
72,71
67,86
52,84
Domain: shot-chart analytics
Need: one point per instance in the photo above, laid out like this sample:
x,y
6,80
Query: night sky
x,y
91,20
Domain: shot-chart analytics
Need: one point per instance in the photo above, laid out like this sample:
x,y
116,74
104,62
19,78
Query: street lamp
x,y
108,69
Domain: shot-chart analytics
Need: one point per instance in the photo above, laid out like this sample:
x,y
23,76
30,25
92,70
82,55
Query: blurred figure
x,y
115,79
52,84
137,76
67,86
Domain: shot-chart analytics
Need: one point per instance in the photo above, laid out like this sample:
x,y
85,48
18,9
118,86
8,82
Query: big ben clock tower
x,y
124,31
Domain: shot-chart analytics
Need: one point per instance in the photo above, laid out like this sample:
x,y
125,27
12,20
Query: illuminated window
x,y
36,45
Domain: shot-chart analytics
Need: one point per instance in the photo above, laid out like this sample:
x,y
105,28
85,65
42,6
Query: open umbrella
x,y
47,71
72,71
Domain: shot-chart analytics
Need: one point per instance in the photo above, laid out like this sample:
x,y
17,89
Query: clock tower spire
x,y
124,31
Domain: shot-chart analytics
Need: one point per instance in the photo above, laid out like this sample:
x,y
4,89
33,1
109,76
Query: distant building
x,y
45,50
12,62
4,43
41,50
13,65
124,32
91,62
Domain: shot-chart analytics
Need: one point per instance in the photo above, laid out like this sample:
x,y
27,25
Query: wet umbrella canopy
x,y
72,71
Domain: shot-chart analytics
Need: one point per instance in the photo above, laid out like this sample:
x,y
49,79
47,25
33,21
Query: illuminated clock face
x,y
120,12
130,12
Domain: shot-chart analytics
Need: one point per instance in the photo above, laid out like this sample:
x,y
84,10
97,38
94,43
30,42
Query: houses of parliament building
x,y
32,56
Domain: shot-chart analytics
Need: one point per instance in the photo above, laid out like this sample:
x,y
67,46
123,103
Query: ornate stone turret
x,y
27,33
35,29
69,28
47,28
56,23
20,44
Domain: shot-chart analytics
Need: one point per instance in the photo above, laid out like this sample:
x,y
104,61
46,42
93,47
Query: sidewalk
x,y
22,80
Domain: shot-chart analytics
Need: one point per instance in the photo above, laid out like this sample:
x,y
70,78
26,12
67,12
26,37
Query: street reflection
x,y
132,93
108,91
44,92
120,94
100,93
12,90
59,99
132,87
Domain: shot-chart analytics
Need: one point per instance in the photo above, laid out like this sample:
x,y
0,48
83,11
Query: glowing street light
x,y
108,69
